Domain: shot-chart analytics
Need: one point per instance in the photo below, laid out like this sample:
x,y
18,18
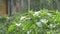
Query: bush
x,y
40,22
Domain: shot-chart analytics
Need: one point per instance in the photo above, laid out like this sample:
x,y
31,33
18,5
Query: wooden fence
x,y
2,7
13,6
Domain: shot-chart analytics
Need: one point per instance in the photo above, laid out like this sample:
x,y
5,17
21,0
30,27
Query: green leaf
x,y
59,20
11,27
34,26
26,26
30,12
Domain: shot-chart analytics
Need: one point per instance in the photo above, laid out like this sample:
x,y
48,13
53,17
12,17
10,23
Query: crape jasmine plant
x,y
39,22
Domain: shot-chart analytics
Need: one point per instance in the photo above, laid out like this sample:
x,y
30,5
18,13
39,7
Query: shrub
x,y
40,22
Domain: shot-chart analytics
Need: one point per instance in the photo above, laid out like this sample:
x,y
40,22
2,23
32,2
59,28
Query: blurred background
x,y
12,6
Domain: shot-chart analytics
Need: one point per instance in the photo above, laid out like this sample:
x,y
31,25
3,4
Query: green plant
x,y
39,22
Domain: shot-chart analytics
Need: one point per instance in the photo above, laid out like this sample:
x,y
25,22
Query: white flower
x,y
28,32
39,24
44,20
50,26
49,14
7,17
18,24
36,13
22,18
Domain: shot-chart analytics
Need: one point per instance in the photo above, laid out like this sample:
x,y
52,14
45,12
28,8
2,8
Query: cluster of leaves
x,y
40,22
4,20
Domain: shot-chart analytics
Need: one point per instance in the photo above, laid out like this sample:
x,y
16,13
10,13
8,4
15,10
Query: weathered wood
x,y
18,5
13,6
2,7
9,7
28,5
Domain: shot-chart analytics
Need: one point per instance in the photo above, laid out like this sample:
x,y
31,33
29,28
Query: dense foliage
x,y
40,4
39,22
